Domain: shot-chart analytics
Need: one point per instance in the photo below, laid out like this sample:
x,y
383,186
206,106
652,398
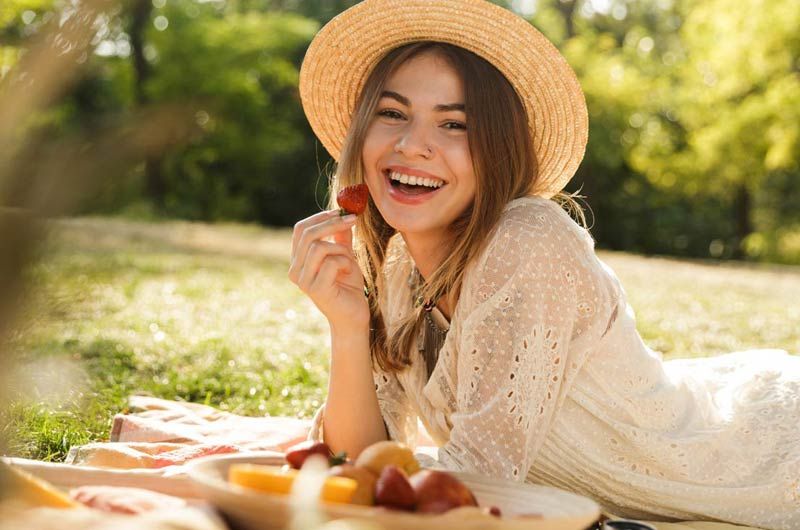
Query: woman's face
x,y
416,151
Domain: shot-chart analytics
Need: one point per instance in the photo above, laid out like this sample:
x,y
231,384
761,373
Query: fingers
x,y
329,270
316,232
300,226
318,253
344,238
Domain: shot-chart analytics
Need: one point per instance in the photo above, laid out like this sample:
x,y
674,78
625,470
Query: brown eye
x,y
391,114
456,125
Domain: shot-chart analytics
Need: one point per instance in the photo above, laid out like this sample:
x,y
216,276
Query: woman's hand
x,y
327,271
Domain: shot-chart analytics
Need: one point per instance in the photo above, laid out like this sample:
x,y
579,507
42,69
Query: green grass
x,y
205,313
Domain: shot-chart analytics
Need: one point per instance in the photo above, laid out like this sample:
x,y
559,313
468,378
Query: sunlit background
x,y
695,113
157,147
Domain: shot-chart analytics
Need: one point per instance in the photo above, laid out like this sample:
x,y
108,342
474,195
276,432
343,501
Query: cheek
x,y
367,152
461,160
377,135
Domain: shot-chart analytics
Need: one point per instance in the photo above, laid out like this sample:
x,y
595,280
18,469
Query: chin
x,y
408,226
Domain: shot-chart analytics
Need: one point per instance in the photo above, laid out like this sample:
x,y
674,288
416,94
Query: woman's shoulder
x,y
540,217
536,228
537,247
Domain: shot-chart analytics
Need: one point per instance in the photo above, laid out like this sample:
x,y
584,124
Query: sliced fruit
x,y
365,493
381,454
19,485
273,479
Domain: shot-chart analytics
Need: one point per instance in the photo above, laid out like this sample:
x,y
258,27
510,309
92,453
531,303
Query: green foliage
x,y
694,114
735,96
18,18
694,142
12,11
244,69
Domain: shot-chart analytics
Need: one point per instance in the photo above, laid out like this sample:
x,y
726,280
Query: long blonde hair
x,y
505,168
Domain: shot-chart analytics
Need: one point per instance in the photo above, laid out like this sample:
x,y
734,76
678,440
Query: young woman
x,y
488,315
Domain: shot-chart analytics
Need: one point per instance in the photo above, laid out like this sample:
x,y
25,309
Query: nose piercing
x,y
428,149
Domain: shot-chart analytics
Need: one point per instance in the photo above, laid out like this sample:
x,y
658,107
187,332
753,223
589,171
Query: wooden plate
x,y
252,510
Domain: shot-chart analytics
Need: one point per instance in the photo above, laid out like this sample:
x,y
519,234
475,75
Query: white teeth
x,y
416,181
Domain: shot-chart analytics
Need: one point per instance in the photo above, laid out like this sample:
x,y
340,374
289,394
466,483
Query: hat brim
x,y
345,51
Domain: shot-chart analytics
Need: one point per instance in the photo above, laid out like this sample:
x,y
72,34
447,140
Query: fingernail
x,y
349,218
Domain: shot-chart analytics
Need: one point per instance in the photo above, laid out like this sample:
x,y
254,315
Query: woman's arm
x,y
329,274
352,418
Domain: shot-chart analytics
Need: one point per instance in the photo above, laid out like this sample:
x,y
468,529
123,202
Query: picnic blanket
x,y
159,433
150,443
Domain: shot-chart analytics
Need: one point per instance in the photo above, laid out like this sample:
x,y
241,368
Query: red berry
x,y
393,490
297,454
353,199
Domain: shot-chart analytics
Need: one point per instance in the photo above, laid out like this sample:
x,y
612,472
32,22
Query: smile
x,y
412,190
415,181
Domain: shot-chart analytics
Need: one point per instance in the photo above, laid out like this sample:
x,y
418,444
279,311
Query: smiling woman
x,y
429,120
412,140
488,316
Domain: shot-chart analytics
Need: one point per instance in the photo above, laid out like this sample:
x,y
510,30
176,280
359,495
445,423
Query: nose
x,y
413,142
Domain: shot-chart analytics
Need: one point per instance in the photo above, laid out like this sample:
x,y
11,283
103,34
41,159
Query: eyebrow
x,y
439,108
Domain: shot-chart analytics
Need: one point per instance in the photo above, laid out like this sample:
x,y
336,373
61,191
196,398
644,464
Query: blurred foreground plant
x,y
43,175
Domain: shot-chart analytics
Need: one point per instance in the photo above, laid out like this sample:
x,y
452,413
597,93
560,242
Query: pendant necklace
x,y
432,336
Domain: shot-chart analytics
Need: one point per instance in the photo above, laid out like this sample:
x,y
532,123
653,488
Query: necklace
x,y
432,335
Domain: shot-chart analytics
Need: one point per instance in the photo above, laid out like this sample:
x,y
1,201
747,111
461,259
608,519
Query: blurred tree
x,y
140,18
726,116
664,160
693,144
254,163
19,19
320,10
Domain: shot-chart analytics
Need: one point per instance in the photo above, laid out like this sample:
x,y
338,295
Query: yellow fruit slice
x,y
18,485
273,479
381,454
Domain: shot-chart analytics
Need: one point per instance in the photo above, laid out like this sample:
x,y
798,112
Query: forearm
x,y
352,418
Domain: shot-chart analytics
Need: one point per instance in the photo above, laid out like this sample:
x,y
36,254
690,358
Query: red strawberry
x,y
353,199
296,455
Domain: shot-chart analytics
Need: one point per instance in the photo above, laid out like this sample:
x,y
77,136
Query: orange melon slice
x,y
19,485
273,479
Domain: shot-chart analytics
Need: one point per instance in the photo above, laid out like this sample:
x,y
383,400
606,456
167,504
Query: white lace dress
x,y
544,378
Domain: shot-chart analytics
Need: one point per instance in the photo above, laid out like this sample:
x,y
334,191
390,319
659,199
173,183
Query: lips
x,y
408,194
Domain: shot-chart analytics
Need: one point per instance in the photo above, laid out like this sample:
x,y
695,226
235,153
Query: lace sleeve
x,y
398,414
536,303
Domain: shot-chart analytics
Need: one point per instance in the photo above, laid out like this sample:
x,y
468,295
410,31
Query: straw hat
x,y
345,51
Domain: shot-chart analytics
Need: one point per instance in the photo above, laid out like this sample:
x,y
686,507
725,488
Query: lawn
x,y
205,313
